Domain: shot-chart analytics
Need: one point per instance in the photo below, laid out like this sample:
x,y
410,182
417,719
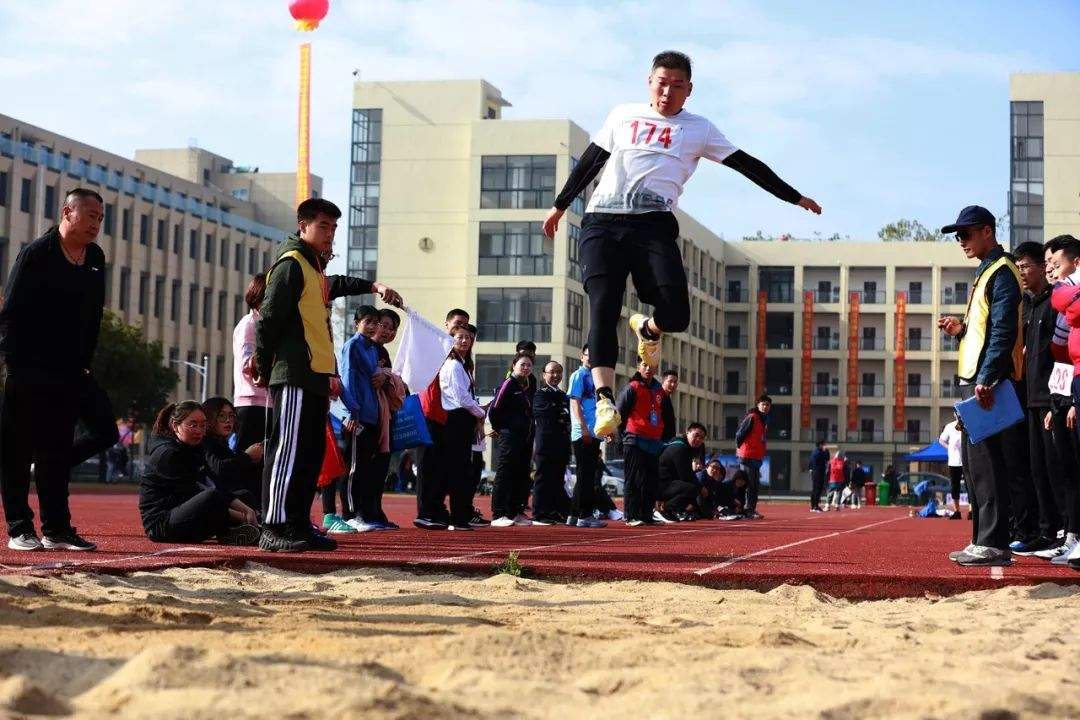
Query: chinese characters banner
x,y
900,365
759,379
807,341
853,362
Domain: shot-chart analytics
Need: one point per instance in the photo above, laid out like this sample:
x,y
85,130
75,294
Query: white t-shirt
x,y
652,157
952,439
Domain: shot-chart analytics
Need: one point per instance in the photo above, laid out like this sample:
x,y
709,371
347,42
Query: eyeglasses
x,y
1024,267
965,233
189,425
226,416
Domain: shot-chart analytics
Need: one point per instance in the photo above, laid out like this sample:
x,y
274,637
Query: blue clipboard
x,y
981,424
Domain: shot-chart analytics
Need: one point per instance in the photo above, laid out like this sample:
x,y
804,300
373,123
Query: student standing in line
x,y
464,416
389,321
752,448
819,465
512,419
359,366
669,382
49,325
179,500
582,394
252,402
838,478
952,440
551,410
641,406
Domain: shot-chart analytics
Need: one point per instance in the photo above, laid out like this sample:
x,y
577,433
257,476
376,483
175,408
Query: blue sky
x,y
877,110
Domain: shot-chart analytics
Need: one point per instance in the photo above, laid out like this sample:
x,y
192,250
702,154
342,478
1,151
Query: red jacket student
x,y
641,405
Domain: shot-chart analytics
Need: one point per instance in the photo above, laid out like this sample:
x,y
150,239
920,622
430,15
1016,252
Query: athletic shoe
x,y
816,510
591,523
615,515
1063,548
956,515
360,526
753,515
282,538
502,522
544,521
336,525
69,540
459,528
633,523
660,517
426,524
1030,547
522,520
26,541
572,521
388,525
729,518
478,519
957,553
607,418
983,555
647,350
240,535
1073,558
319,542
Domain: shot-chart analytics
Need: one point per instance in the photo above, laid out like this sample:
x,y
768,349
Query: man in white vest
x,y
991,352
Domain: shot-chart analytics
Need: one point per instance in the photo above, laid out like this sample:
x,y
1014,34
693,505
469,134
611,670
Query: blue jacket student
x,y
359,361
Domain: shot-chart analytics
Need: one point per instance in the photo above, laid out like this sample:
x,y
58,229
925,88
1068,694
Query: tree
x,y
130,370
909,231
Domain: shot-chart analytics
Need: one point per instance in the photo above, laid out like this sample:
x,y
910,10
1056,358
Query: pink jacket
x,y
1066,300
245,392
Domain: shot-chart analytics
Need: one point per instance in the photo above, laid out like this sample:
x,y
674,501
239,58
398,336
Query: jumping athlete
x,y
647,152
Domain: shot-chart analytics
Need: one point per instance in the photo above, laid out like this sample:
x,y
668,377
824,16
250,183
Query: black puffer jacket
x,y
174,473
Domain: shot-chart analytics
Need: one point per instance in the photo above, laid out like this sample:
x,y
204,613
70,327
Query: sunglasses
x,y
965,233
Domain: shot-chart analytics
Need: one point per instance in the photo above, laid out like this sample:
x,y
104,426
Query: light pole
x,y
203,370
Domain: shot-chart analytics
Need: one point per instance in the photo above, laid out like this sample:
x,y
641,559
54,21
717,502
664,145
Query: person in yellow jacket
x,y
991,353
294,356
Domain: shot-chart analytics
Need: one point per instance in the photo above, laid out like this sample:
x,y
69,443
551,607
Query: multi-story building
x,y
184,231
1044,153
447,203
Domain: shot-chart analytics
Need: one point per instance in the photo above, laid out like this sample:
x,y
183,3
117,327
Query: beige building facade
x,y
1044,192
446,205
184,232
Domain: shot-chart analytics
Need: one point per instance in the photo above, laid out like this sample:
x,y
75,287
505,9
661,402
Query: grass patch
x,y
509,566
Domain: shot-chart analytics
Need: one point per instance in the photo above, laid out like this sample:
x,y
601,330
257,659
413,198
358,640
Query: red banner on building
x,y
807,356
900,363
853,362
759,374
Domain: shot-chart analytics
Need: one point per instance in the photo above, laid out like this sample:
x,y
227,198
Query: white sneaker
x,y
520,519
659,517
615,515
1074,556
591,523
502,522
359,525
1050,553
1062,558
26,541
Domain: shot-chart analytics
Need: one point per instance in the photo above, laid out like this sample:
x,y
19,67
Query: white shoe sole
x,y
13,545
50,545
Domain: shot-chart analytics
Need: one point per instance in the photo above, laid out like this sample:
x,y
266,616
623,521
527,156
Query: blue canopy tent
x,y
934,452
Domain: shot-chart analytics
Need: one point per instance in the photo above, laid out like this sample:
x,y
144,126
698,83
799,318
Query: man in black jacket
x,y
819,464
669,383
1037,532
679,489
551,411
58,278
294,356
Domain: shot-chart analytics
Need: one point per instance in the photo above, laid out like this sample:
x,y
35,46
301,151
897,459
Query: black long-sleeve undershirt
x,y
593,160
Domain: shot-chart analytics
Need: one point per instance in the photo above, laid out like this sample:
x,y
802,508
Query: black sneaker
x,y
956,515
240,535
282,538
319,542
69,540
428,524
478,519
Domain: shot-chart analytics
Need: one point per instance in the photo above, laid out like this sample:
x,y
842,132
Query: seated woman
x,y
179,500
237,472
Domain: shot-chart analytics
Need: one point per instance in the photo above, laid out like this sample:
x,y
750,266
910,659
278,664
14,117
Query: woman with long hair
x,y
250,400
512,420
239,472
464,414
179,500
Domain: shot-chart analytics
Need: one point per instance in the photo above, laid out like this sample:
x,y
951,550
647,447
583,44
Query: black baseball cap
x,y
970,216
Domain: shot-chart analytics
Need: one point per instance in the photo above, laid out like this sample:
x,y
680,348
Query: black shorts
x,y
644,246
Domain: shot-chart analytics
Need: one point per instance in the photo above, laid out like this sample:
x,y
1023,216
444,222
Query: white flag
x,y
421,353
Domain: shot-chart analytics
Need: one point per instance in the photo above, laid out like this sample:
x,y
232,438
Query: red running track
x,y
859,554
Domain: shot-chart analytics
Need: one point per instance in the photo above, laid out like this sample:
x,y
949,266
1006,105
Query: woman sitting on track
x,y
511,417
179,500
236,472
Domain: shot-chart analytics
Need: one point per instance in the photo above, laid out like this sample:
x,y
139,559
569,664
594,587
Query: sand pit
x,y
259,642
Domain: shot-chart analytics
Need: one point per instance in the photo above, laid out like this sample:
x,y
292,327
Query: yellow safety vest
x,y
314,310
973,343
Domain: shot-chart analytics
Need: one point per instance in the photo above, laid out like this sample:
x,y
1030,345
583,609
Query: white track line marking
x,y
766,551
60,564
997,573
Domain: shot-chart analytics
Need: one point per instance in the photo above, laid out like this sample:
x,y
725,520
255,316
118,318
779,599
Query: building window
x,y
266,262
48,211
3,189
190,370
208,249
221,299
515,248
238,309
224,253
159,295
193,245
575,318
517,181
364,185
778,284
3,259
144,292
109,223
253,259
144,229
1026,191
125,224
176,235
238,258
241,194
219,375
125,288
159,241
24,196
174,305
207,295
514,314
490,372
193,304
573,250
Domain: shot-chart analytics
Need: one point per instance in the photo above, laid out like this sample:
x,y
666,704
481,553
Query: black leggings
x,y
672,314
200,518
956,474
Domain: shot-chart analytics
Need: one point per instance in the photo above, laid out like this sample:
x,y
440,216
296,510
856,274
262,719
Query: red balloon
x,y
308,13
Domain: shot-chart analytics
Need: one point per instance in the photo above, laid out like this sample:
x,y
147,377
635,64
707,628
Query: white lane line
x,y
585,541
61,564
766,551
997,573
